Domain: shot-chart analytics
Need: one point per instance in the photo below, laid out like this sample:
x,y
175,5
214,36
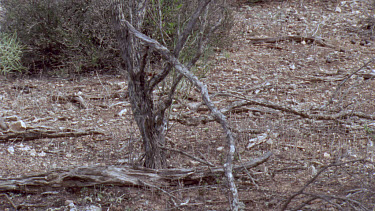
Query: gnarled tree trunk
x,y
150,124
135,57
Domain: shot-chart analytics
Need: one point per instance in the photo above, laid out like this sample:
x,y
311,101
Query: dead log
x,y
119,175
32,134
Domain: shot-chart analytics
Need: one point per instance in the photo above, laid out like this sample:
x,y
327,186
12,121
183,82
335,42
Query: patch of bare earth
x,y
284,87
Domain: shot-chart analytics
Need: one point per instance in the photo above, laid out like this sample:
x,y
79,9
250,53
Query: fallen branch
x,y
348,77
10,201
119,175
190,156
301,191
340,198
32,134
294,38
193,121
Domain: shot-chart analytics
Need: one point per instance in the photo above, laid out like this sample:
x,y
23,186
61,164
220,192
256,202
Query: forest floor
x,y
287,83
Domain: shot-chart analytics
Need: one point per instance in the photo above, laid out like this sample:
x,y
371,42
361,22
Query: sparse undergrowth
x,y
291,74
10,54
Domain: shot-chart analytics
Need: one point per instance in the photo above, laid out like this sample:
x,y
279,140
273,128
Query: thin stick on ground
x,y
190,156
347,78
328,197
301,191
10,201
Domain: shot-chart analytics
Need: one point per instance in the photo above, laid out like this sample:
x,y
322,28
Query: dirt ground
x,y
296,75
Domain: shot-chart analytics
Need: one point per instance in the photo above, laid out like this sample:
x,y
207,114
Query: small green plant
x,y
10,53
370,132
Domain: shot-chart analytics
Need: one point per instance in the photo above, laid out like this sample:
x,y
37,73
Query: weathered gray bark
x,y
150,117
219,117
89,176
141,99
149,122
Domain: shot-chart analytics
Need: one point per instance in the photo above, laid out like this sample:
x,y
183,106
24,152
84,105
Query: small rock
x,y
194,105
220,149
69,202
194,163
121,85
3,125
24,148
122,112
18,126
92,208
10,150
313,170
33,152
42,154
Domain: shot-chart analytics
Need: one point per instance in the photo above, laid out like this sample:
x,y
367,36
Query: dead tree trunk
x,y
150,125
150,115
135,60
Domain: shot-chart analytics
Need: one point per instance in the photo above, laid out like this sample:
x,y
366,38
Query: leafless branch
x,y
328,197
219,117
305,203
348,77
190,156
10,201
180,43
301,191
202,43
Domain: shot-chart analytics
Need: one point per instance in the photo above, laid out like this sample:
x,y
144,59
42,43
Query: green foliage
x,y
68,35
10,53
370,132
166,20
75,36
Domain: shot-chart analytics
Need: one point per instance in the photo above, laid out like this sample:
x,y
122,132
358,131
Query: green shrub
x,y
76,36
68,35
10,53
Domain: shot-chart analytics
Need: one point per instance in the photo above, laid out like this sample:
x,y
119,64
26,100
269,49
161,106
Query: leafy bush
x,y
10,53
75,36
68,35
166,19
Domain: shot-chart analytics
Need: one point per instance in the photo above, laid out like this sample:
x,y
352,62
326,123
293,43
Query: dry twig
x,y
190,156
301,191
10,201
348,77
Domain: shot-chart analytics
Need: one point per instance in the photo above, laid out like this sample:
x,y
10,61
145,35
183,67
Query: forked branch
x,y
219,117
